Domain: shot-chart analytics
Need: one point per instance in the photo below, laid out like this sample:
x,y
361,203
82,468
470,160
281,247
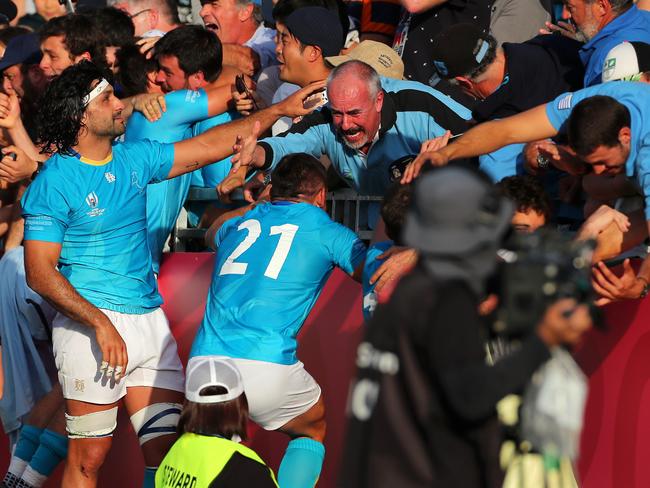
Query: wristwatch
x,y
646,287
542,162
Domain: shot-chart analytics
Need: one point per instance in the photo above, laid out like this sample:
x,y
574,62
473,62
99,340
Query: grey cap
x,y
455,212
205,371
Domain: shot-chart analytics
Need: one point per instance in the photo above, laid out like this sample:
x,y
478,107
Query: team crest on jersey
x,y
92,200
565,102
110,177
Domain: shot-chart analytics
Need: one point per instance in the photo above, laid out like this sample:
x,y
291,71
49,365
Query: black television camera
x,y
537,270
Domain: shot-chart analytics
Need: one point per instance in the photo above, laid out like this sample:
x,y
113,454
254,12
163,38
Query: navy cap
x,y
459,50
25,49
8,11
317,26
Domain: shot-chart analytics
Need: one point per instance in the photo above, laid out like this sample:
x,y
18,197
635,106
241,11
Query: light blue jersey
x,y
165,199
636,97
371,265
97,211
270,268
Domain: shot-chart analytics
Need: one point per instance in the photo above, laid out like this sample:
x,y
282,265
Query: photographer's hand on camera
x,y
564,322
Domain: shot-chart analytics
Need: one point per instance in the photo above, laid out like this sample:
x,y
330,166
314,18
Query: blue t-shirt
x,y
633,25
97,211
165,199
636,97
270,267
371,265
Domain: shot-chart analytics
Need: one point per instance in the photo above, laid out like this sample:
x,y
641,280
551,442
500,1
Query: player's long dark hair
x,y
59,118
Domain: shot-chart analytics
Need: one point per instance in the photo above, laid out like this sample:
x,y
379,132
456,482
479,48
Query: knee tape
x,y
91,425
156,420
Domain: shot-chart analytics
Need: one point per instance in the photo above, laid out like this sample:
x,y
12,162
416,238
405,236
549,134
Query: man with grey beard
x,y
602,25
367,133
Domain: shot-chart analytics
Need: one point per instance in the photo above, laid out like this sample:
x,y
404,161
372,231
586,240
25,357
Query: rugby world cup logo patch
x,y
92,200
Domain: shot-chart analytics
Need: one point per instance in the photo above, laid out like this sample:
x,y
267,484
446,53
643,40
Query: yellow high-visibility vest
x,y
194,461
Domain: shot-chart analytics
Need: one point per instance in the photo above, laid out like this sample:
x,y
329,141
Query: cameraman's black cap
x,y
455,212
459,50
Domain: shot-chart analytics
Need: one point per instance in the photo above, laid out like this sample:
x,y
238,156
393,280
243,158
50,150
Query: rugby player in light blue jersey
x,y
270,267
608,128
190,63
86,253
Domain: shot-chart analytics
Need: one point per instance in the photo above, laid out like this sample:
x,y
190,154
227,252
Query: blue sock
x,y
149,477
301,464
52,450
27,442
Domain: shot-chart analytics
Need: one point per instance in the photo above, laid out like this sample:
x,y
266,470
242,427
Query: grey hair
x,y
360,70
257,11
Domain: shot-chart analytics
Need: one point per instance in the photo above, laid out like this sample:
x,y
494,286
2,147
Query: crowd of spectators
x,y
111,113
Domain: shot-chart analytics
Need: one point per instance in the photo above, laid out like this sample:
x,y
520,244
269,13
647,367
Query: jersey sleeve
x,y
46,210
308,136
559,110
347,251
186,106
155,158
227,226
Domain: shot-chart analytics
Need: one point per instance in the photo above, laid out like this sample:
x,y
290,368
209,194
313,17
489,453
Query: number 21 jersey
x,y
270,267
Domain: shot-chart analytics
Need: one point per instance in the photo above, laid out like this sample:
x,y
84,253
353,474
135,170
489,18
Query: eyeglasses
x,y
140,12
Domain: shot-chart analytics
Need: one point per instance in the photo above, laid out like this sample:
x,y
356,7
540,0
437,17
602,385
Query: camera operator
x,y
423,405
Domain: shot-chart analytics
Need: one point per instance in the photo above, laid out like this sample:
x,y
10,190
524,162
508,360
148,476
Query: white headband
x,y
94,93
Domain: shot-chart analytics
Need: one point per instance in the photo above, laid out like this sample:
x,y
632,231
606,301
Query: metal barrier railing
x,y
344,206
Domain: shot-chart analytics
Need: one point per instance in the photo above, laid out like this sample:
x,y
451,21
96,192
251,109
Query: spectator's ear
x,y
196,80
379,102
313,53
625,136
153,17
246,12
85,55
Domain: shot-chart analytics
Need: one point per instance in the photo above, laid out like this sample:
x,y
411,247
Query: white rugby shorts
x,y
153,357
277,393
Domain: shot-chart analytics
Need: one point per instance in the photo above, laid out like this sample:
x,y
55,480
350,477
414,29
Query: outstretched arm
x,y
485,138
217,143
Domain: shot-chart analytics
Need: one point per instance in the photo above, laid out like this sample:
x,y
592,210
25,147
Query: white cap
x,y
205,371
626,61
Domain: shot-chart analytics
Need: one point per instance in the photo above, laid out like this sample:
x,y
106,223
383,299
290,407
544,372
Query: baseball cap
x,y
8,11
459,50
317,26
381,57
25,49
205,371
455,212
626,61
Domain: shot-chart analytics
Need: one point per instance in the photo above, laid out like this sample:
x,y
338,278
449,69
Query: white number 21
x,y
287,233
